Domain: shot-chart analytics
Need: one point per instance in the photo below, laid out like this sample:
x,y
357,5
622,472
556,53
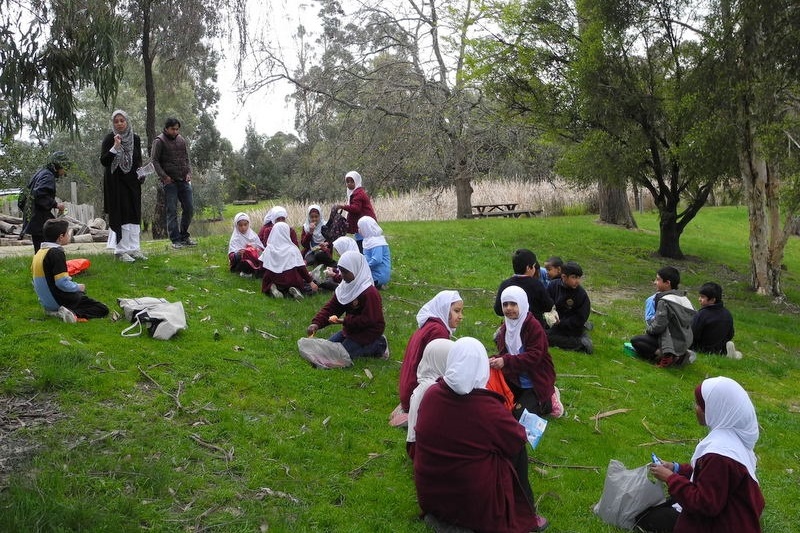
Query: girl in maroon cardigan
x,y
524,358
437,319
358,204
356,305
718,491
284,268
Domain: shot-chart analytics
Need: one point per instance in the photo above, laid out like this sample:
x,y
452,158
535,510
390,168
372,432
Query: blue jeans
x,y
178,191
374,349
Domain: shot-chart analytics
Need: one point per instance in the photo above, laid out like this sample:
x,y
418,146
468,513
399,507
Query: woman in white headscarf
x,y
376,250
524,358
244,247
431,368
437,319
284,268
121,155
470,458
356,305
358,204
718,491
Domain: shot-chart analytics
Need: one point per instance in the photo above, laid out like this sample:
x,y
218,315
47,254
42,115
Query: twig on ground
x,y
175,397
660,440
576,375
227,455
109,435
357,471
263,492
266,334
571,467
242,362
600,416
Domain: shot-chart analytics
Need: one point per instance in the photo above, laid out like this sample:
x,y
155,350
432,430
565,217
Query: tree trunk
x,y
669,244
614,206
463,197
159,212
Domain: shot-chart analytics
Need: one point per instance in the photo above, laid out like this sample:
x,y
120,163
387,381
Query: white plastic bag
x,y
322,353
626,493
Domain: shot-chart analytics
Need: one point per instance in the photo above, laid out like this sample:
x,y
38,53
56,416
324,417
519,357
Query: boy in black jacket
x,y
712,326
573,307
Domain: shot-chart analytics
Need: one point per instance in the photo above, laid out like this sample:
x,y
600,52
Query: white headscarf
x,y
356,178
279,212
317,237
345,244
269,218
371,231
124,158
517,295
239,241
731,419
281,254
467,366
356,263
438,307
431,367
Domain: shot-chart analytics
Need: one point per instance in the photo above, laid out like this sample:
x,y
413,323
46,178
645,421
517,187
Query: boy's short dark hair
x,y
523,258
555,261
54,228
172,121
671,274
571,268
712,291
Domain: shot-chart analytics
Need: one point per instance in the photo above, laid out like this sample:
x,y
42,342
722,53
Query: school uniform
x,y
573,308
539,301
376,250
358,204
283,265
712,327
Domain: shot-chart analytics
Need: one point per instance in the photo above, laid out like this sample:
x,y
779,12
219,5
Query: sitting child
x,y
266,227
58,294
524,358
316,251
376,250
437,319
526,275
275,215
244,248
712,326
356,305
573,307
553,268
284,268
669,335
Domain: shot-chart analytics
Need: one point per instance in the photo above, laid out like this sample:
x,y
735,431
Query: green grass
x,y
253,416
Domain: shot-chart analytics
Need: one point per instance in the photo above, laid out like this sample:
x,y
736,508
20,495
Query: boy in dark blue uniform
x,y
527,277
573,307
712,326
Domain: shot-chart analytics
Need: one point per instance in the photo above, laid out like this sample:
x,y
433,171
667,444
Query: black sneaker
x,y
188,242
586,343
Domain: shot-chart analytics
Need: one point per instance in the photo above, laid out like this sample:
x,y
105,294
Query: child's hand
x,y
330,272
333,319
662,471
496,362
311,330
81,287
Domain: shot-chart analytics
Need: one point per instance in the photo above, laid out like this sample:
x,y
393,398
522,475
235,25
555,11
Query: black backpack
x,y
335,226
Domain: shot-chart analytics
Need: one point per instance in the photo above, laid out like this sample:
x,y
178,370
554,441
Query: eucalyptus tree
x,y
48,50
620,85
387,94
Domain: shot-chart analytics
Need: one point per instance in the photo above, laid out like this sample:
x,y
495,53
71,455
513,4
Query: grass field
x,y
234,432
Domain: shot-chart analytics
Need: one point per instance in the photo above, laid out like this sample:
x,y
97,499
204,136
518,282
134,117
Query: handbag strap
x,y
136,323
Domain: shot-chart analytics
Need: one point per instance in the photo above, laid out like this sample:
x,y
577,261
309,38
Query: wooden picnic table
x,y
502,209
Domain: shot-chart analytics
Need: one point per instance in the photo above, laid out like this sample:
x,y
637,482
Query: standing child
x,y
244,248
712,326
524,359
573,307
526,275
668,336
376,251
437,319
284,268
356,305
58,294
718,491
358,204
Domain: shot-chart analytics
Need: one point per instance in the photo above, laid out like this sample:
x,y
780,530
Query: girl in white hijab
x,y
244,247
431,368
360,302
376,250
467,366
358,203
312,229
284,267
718,491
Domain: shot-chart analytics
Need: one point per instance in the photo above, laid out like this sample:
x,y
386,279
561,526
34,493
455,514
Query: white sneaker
x,y
275,292
295,293
125,258
66,315
730,348
137,254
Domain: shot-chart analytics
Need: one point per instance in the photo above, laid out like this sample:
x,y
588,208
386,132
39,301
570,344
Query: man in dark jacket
x,y
40,197
170,155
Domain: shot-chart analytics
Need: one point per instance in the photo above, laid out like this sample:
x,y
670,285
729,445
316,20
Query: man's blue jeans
x,y
178,191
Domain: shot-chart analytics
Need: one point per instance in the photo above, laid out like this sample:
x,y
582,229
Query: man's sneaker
x,y
125,258
558,408
66,315
137,254
295,293
188,242
177,245
275,292
586,343
731,352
